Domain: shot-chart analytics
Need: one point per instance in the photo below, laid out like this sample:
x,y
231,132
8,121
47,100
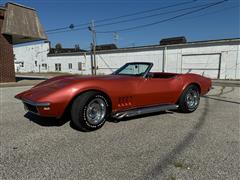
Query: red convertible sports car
x,y
129,91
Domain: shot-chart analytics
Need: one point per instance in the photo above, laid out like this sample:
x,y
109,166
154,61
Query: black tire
x,y
187,106
80,111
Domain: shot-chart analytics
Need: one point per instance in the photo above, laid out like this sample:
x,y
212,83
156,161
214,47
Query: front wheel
x,y
89,111
190,99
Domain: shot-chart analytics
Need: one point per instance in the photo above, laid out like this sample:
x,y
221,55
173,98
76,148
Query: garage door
x,y
203,64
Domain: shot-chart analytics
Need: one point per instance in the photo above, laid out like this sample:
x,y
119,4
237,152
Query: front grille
x,y
31,108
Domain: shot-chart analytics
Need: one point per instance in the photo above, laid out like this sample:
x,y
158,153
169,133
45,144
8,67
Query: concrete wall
x,y
30,58
215,60
107,63
74,60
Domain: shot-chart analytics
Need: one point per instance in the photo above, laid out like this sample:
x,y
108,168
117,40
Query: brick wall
x,y
7,72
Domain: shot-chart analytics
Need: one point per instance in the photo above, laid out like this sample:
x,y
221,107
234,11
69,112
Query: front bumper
x,y
36,107
43,105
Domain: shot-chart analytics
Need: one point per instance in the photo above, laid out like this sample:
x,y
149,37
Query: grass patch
x,y
179,165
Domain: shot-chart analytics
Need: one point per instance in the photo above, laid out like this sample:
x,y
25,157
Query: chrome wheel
x,y
192,99
96,111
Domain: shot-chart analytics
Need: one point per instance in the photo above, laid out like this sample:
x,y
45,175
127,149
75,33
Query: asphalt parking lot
x,y
170,145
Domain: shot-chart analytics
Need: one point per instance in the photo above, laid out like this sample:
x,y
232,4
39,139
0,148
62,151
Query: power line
x,y
164,20
205,6
133,19
71,30
128,20
152,15
217,11
147,11
66,27
126,15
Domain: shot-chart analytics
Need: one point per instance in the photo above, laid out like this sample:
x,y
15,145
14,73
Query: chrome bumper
x,y
31,106
36,103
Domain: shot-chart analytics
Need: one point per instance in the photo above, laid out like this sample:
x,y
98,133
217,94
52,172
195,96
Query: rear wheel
x,y
89,111
190,99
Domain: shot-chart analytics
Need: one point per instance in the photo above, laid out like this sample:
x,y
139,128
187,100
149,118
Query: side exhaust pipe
x,y
145,110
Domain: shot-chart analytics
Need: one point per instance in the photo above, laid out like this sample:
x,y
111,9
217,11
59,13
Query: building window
x,y
80,66
35,63
21,64
58,67
70,66
44,66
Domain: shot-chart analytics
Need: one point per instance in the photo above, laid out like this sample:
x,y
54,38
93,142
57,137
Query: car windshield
x,y
133,69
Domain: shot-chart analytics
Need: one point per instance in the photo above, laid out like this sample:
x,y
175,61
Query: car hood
x,y
56,83
62,81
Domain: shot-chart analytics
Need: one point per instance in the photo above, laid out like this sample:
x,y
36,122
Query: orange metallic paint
x,y
125,92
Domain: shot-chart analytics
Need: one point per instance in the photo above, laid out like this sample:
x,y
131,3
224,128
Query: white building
x,y
215,59
31,58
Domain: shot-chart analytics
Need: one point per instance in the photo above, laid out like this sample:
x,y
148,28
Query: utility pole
x,y
93,45
115,38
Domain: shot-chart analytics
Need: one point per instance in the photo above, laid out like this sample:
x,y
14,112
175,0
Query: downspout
x,y
219,66
237,64
164,58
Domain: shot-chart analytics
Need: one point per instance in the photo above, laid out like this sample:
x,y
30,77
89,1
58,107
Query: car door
x,y
154,91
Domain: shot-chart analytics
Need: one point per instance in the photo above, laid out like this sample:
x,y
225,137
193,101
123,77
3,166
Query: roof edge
x,y
20,5
172,45
2,8
155,46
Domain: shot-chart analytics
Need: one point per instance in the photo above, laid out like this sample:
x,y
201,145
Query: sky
x,y
217,22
